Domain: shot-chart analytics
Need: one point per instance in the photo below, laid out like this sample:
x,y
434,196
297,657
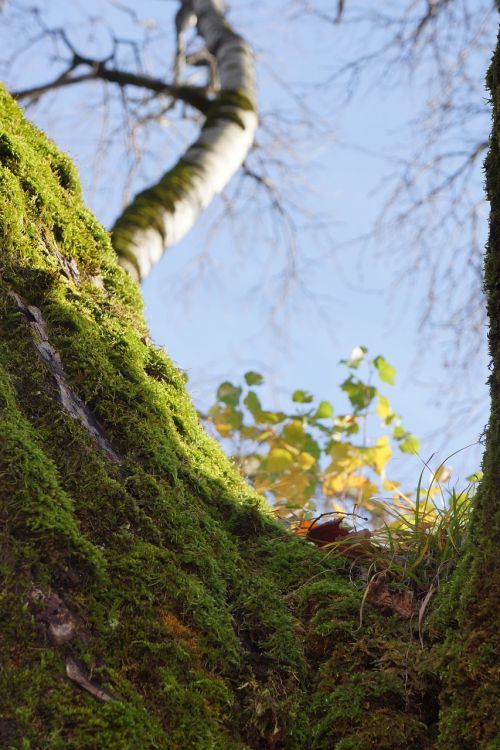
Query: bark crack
x,y
68,398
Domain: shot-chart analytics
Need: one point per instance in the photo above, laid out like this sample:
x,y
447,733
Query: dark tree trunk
x,y
470,701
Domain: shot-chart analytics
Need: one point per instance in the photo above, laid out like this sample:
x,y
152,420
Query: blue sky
x,y
210,302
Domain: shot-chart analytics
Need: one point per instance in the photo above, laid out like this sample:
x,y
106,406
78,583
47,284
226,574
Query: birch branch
x,y
99,71
161,215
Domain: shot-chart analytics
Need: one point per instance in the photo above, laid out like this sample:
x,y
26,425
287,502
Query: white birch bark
x,y
158,217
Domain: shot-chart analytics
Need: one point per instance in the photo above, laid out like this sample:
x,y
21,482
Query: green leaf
x,y
253,378
226,419
278,459
235,418
293,433
229,394
302,397
360,395
269,417
324,410
252,402
386,372
356,358
474,478
399,432
410,444
312,447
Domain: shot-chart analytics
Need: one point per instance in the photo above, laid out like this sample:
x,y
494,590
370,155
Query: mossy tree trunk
x,y
148,599
471,697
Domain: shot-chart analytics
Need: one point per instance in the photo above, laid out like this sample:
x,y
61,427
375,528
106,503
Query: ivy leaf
x,y
386,372
253,378
302,397
324,410
229,394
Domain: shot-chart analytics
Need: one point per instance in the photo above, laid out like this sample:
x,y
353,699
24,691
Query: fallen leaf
x,y
326,533
389,602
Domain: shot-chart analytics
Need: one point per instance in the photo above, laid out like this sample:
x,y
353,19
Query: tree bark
x,y
470,713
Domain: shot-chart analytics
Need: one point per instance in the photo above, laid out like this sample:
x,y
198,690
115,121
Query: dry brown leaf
x,y
389,602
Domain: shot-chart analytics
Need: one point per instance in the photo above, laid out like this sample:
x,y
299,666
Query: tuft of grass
x,y
423,538
415,549
421,541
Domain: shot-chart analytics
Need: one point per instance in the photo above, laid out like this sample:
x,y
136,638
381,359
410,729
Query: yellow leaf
x,y
278,459
265,435
306,460
442,473
334,484
262,482
293,433
345,458
384,410
368,491
356,481
293,486
223,429
337,507
354,484
378,455
388,484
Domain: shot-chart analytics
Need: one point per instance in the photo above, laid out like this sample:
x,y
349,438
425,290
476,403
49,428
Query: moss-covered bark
x,y
132,554
470,715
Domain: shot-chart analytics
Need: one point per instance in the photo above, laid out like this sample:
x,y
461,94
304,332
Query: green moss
x,y
210,626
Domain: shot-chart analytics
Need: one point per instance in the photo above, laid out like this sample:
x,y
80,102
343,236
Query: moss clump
x,y
207,623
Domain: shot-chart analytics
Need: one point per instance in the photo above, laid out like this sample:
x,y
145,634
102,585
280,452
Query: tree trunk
x,y
470,715
148,598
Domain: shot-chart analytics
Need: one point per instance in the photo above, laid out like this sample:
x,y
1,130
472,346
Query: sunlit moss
x,y
209,624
